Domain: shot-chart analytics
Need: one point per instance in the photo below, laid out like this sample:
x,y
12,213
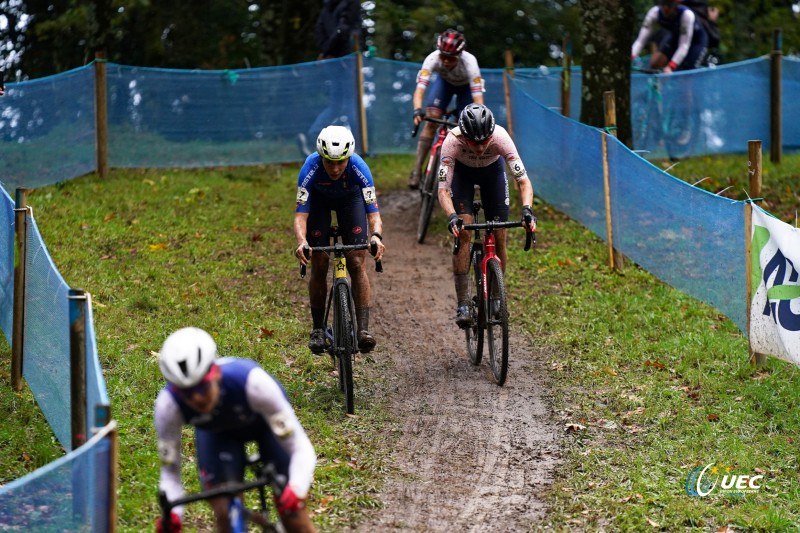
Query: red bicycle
x,y
487,291
427,187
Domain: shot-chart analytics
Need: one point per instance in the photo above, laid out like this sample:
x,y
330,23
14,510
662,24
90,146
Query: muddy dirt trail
x,y
467,455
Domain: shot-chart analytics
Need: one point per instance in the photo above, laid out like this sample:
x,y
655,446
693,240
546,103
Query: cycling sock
x,y
423,147
318,317
362,318
462,286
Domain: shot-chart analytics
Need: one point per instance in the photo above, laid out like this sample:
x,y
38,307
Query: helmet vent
x,y
182,365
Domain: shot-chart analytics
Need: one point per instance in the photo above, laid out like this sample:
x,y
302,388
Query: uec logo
x,y
700,482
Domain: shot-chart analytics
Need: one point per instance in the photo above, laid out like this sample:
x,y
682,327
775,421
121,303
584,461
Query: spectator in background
x,y
336,32
2,84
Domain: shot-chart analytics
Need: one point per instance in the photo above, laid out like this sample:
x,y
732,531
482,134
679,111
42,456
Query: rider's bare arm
x,y
300,221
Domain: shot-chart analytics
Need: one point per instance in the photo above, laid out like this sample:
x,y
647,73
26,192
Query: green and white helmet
x,y
336,143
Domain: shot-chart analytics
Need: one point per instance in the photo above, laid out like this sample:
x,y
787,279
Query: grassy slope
x,y
651,382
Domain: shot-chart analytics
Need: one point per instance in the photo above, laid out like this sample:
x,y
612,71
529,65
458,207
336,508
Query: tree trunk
x,y
607,28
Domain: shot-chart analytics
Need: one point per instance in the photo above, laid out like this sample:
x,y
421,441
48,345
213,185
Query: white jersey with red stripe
x,y
465,72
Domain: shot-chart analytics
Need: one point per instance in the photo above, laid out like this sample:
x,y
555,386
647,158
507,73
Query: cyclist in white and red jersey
x,y
229,401
477,153
684,42
458,75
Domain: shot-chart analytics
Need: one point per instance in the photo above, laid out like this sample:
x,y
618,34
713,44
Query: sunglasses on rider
x,y
200,388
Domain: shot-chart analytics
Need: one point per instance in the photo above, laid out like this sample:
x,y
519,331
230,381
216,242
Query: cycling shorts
x,y
441,92
697,50
221,455
493,183
351,216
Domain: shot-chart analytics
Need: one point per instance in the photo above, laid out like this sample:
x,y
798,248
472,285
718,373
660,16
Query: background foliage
x,y
44,37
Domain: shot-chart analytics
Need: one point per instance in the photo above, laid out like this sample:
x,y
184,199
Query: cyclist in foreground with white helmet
x,y
335,178
476,153
458,74
229,401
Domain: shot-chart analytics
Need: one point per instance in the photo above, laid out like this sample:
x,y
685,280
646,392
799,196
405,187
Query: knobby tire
x,y
474,333
428,197
497,323
344,345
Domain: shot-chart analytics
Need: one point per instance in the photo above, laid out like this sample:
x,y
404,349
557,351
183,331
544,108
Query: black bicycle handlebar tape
x,y
457,240
166,510
530,238
415,130
373,250
307,253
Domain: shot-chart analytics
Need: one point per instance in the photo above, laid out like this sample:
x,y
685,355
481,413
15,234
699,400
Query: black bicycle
x,y
430,178
340,327
487,293
266,517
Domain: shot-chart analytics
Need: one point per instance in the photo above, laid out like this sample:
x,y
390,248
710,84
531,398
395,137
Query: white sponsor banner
x,y
775,309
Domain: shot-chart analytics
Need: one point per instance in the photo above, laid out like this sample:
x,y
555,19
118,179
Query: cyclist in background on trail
x,y
458,75
684,42
229,401
335,178
476,153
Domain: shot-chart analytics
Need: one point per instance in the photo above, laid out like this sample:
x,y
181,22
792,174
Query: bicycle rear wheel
x,y
428,197
344,344
497,321
474,333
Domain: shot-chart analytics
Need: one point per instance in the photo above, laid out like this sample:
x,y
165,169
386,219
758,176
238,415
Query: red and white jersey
x,y
465,72
500,144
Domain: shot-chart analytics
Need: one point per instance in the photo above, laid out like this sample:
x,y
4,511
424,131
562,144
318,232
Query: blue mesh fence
x,y
194,118
544,84
70,494
685,236
47,130
46,363
6,263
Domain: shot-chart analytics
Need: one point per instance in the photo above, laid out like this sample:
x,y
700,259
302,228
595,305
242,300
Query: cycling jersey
x,y
252,406
684,31
455,148
465,72
314,181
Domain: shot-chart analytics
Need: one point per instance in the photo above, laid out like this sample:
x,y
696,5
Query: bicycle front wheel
x,y
344,344
497,321
428,193
474,333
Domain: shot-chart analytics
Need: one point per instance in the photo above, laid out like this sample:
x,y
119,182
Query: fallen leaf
x,y
713,417
109,217
655,364
572,426
157,247
265,333
653,523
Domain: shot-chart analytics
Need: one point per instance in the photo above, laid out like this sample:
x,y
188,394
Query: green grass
x,y
652,382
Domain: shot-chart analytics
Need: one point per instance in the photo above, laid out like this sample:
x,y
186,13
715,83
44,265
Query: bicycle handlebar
x,y
441,121
268,476
372,247
491,225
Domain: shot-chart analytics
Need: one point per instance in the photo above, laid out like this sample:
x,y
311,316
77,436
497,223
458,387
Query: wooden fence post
x,y
566,77
18,316
101,113
776,125
362,112
754,168
615,258
508,72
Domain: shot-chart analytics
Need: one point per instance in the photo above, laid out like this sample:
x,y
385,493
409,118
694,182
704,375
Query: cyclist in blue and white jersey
x,y
458,74
335,178
230,402
684,41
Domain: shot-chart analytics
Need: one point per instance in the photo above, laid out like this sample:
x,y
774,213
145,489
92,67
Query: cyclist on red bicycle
x,y
229,402
335,178
684,42
458,74
476,153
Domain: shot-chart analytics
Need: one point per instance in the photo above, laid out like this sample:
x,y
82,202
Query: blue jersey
x,y
233,411
314,181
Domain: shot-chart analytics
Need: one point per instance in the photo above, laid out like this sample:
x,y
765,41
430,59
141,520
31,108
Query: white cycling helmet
x,y
336,143
187,356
